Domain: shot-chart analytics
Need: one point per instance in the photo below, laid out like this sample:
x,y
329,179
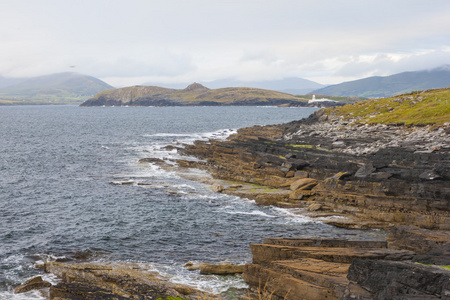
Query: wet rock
x,y
36,283
429,175
224,269
217,188
108,280
151,160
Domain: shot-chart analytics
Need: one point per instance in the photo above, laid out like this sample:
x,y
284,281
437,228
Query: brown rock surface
x,y
113,281
316,269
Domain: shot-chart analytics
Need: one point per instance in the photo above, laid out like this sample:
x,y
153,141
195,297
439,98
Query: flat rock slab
x,y
318,242
263,253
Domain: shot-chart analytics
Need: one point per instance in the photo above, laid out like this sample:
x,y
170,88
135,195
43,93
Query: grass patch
x,y
430,107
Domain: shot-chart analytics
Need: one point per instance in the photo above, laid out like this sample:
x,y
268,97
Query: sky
x,y
129,42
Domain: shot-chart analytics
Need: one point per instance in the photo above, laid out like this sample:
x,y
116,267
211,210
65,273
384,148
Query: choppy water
x,y
56,200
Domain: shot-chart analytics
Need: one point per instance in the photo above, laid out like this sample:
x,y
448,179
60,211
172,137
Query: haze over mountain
x,y
60,87
291,85
378,86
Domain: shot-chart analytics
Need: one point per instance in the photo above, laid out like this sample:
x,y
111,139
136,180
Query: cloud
x,y
188,41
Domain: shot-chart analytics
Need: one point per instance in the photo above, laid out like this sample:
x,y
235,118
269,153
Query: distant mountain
x,y
378,86
193,95
6,81
60,87
292,85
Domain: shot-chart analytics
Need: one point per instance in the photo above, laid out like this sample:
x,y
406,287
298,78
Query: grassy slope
x,y
417,108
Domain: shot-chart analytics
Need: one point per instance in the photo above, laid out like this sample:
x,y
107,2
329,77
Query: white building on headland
x,y
314,100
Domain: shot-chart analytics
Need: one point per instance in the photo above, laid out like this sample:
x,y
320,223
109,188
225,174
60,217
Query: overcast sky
x,y
127,42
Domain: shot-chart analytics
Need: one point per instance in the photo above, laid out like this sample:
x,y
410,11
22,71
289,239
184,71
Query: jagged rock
x,y
36,283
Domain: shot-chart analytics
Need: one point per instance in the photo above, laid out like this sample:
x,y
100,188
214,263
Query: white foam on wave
x,y
32,295
292,215
254,212
207,283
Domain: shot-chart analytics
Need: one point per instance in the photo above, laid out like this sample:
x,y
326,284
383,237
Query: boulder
x,y
304,183
225,269
217,188
314,207
35,283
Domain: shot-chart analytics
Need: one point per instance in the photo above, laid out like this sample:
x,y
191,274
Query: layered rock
x,y
386,174
113,281
316,269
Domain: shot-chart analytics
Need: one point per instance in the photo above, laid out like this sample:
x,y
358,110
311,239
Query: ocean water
x,y
57,164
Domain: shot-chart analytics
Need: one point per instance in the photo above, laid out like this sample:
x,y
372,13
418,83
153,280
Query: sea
x,y
60,201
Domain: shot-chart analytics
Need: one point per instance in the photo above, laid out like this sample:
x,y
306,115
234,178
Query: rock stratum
x,y
195,95
335,162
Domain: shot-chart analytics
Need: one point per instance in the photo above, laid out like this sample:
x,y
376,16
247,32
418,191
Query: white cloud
x,y
199,40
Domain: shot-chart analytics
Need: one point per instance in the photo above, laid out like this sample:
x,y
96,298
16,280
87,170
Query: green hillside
x,y
430,107
55,88
375,87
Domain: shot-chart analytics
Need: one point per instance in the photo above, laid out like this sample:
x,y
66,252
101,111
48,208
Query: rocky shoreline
x,y
377,175
332,169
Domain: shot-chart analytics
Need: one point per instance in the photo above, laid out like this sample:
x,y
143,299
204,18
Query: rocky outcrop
x,y
382,174
113,281
314,268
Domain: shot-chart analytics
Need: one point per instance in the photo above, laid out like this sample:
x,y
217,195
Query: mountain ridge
x,y
58,87
388,86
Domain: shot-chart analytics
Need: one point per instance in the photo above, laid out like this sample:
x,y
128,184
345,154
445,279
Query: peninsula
x,y
197,95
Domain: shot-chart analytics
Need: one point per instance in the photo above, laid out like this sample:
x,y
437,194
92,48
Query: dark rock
x,y
151,160
429,175
419,240
365,171
396,280
439,256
